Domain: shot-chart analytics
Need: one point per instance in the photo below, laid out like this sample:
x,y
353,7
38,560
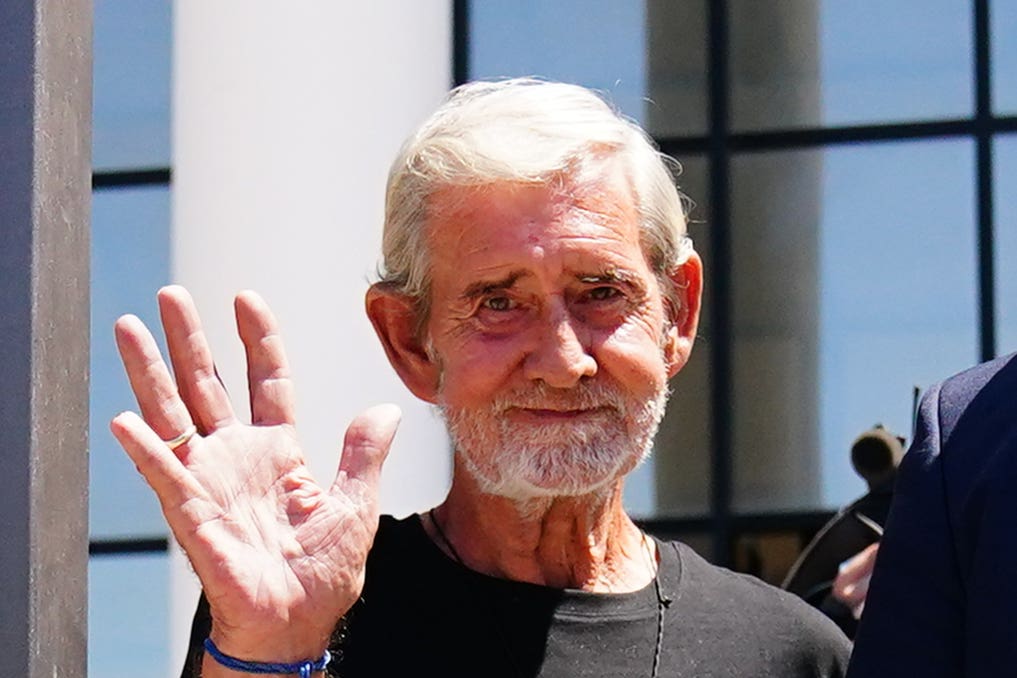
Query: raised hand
x,y
280,558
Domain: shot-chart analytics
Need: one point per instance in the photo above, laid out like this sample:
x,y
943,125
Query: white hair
x,y
528,131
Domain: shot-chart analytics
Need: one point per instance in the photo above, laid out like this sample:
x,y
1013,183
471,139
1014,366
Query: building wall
x,y
850,226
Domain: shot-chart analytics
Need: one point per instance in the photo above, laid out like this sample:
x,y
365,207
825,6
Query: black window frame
x,y
723,525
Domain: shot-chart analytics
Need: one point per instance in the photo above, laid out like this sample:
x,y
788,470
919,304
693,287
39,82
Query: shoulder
x,y
966,423
764,621
392,530
968,427
398,540
978,377
982,394
714,585
395,565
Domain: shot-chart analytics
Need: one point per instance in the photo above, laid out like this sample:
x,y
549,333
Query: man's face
x,y
549,329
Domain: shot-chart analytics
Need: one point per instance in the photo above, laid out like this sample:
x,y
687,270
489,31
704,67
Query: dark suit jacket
x,y
943,597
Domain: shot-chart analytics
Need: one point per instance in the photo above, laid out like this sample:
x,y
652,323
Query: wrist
x,y
281,647
216,659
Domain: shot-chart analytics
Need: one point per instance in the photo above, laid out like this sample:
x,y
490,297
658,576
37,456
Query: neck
x,y
585,542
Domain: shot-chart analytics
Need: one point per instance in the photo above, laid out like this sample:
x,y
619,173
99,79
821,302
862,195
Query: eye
x,y
604,293
498,304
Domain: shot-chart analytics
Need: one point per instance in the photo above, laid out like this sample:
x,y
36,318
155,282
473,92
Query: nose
x,y
560,356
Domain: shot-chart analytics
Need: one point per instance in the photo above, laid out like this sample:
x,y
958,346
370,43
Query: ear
x,y
687,283
395,318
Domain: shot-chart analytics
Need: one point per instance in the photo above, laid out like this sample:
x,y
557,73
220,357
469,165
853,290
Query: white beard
x,y
558,459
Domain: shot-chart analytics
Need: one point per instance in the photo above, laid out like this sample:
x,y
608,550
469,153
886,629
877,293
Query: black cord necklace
x,y
662,602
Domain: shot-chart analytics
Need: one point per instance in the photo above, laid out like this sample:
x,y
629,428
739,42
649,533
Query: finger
x,y
852,582
366,445
852,594
150,379
199,385
161,468
268,371
860,563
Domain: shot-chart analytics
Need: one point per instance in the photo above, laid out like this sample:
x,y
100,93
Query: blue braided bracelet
x,y
302,669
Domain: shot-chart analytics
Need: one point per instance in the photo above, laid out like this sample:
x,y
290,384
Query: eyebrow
x,y
609,276
613,275
617,276
483,287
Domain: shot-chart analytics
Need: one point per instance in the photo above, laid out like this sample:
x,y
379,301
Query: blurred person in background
x,y
944,588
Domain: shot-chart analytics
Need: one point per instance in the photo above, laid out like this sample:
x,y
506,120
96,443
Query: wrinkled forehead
x,y
551,234
602,189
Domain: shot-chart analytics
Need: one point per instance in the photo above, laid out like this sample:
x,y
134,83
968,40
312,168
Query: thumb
x,y
366,445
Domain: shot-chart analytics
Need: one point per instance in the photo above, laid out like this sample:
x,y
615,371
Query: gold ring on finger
x,y
174,443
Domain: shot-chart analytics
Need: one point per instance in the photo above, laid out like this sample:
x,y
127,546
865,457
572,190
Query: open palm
x,y
280,557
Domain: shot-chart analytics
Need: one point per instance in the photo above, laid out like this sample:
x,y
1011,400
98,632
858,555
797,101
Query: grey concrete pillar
x,y
774,235
45,193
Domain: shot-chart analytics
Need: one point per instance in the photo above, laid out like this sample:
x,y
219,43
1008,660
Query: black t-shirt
x,y
421,613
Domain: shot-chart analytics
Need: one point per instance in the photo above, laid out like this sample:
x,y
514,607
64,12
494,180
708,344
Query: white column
x,y
285,119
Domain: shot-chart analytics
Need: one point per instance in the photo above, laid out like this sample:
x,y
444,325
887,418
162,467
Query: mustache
x,y
583,396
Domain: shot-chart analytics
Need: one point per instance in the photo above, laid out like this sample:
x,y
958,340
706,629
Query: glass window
x,y
128,612
130,261
674,480
677,85
604,45
854,279
131,93
596,43
1006,243
1003,18
684,445
768,555
809,63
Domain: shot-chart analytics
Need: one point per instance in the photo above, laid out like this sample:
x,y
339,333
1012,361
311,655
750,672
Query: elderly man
x,y
538,288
